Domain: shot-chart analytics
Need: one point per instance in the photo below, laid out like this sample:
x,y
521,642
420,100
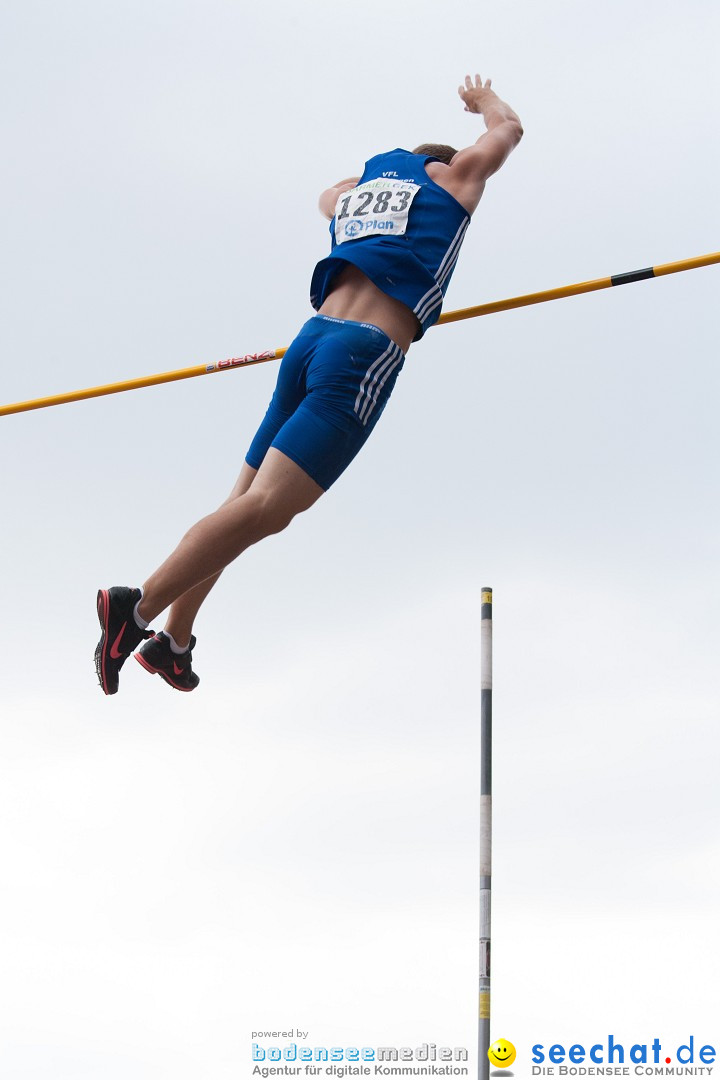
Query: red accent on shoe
x,y
114,651
156,671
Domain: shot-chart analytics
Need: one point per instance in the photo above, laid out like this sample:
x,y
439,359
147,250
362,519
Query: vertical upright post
x,y
485,829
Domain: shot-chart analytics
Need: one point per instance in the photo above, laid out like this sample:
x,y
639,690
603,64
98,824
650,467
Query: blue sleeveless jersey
x,y
402,230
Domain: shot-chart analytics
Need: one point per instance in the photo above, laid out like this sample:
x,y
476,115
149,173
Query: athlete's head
x,y
438,150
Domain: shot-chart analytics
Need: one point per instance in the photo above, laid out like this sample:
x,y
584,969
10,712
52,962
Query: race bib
x,y
375,208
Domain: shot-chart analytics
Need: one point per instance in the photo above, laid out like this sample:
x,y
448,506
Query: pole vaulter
x,y
450,316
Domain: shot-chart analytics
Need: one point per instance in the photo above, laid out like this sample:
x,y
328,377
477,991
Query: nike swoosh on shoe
x,y
114,651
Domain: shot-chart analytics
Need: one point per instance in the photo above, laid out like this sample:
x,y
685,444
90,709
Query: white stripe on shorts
x,y
392,356
369,372
397,360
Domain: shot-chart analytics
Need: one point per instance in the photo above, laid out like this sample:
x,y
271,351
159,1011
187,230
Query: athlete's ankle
x,y
179,636
139,615
175,643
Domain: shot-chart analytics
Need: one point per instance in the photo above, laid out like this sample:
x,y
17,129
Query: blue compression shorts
x,y
333,384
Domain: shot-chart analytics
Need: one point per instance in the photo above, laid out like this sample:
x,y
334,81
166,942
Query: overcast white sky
x,y
295,844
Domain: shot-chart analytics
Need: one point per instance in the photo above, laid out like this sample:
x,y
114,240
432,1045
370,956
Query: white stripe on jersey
x,y
457,239
434,296
457,242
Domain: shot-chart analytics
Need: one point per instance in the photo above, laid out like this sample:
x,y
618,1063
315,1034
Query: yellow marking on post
x,y
486,598
484,1010
276,354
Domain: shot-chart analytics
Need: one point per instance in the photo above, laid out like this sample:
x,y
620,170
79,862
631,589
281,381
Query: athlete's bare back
x,y
355,297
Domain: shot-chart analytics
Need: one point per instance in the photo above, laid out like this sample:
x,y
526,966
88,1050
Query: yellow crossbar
x,y
451,316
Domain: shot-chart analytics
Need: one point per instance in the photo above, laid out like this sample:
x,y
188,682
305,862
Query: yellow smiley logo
x,y
501,1053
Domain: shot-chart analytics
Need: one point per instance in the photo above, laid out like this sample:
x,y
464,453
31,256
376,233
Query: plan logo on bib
x,y
353,229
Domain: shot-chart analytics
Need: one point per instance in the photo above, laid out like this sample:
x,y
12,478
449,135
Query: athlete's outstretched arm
x,y
329,198
470,168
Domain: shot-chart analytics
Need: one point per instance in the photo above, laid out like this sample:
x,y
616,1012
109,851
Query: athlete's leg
x,y
279,491
185,608
289,392
319,418
333,386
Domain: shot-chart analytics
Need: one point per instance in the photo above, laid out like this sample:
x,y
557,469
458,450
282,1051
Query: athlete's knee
x,y
266,514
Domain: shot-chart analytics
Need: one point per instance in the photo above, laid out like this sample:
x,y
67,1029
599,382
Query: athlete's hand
x,y
476,95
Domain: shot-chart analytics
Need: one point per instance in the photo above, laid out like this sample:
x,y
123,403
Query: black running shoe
x,y
120,633
157,657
